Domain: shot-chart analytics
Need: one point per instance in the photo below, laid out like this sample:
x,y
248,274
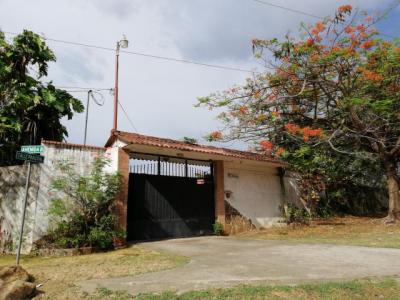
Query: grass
x,y
58,274
358,289
354,231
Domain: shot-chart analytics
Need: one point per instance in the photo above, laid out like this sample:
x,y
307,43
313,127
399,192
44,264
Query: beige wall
x,y
12,185
81,159
12,192
256,192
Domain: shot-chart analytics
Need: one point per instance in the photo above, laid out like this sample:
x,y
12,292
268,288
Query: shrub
x,y
293,214
218,228
83,215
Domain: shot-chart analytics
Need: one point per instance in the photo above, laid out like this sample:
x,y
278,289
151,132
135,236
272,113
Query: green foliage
x,y
329,102
100,235
30,110
296,215
83,215
218,228
385,289
189,140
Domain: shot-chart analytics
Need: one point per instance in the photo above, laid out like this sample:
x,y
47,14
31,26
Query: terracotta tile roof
x,y
68,145
138,139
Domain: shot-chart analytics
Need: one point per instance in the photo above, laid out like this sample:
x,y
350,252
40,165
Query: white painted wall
x,y
12,192
12,183
256,192
112,154
81,159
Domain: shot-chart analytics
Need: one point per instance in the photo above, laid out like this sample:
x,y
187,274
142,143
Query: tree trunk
x,y
393,190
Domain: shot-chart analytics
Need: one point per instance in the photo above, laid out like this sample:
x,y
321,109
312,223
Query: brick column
x,y
121,202
219,191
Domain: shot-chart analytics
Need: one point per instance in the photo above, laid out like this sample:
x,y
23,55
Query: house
x,y
170,188
173,189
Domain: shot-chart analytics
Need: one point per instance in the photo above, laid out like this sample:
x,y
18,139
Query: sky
x,y
158,95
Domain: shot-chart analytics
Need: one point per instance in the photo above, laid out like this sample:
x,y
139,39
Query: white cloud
x,y
158,95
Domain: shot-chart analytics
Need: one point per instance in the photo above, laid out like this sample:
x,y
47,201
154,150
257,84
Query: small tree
x,y
30,109
82,215
332,97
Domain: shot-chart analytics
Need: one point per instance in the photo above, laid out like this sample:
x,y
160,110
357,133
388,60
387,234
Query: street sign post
x,y
26,154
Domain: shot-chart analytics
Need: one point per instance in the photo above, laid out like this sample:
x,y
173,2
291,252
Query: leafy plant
x,y
293,214
329,100
189,140
218,228
30,109
82,215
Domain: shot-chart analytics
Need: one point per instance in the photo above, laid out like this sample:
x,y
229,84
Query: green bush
x,y
293,214
83,216
102,235
218,228
323,208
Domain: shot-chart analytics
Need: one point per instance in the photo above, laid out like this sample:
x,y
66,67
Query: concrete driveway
x,y
225,262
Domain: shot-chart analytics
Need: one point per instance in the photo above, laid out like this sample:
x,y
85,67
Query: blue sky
x,y
159,95
391,24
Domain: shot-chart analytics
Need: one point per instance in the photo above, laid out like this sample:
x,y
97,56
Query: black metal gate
x,y
180,204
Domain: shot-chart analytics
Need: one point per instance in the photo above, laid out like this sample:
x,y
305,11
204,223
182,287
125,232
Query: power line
x,y
101,103
83,88
289,9
145,55
127,116
316,16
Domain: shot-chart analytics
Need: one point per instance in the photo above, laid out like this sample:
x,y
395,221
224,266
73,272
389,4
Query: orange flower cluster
x,y
349,29
216,135
367,44
345,8
292,128
319,27
314,57
307,132
243,110
266,145
361,28
310,42
370,75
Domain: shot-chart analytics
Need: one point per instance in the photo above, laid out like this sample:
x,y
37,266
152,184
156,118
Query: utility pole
x,y
87,115
121,44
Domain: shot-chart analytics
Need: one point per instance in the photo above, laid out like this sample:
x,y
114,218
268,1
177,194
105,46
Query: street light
x,y
123,43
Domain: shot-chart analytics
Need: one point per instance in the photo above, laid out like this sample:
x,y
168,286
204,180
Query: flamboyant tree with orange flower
x,y
336,89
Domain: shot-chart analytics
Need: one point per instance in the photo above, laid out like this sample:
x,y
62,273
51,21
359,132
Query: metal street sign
x,y
29,157
32,148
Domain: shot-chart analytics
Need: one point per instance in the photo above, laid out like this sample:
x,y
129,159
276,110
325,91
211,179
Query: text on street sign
x,y
29,157
32,148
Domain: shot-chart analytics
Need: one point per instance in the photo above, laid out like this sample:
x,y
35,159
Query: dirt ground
x,y
270,256
358,231
58,275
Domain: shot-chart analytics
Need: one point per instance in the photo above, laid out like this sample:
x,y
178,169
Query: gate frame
x,y
159,156
121,201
